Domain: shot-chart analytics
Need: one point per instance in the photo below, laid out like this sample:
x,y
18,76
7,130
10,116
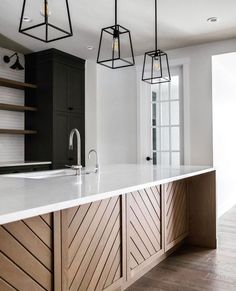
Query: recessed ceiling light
x,y
27,19
90,47
213,19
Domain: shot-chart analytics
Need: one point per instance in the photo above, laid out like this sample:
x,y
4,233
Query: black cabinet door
x,y
77,121
61,139
76,90
60,87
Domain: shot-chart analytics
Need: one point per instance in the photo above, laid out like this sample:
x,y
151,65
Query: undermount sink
x,y
48,174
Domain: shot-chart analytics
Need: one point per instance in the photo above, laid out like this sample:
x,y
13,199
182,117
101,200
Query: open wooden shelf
x,y
15,84
11,107
17,131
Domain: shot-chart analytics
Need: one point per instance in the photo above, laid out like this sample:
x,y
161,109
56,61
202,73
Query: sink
x,y
48,174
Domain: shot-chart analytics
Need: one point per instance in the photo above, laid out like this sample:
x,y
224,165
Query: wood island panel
x,y
92,246
26,254
202,211
176,212
144,230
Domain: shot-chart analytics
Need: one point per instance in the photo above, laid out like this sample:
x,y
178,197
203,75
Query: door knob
x,y
149,159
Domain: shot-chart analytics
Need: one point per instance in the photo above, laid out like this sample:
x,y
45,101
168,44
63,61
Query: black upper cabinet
x,y
60,99
60,87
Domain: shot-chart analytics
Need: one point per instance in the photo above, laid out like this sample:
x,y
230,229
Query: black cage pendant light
x,y
115,47
46,20
156,68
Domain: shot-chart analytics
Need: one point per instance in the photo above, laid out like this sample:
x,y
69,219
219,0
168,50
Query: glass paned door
x,y
167,121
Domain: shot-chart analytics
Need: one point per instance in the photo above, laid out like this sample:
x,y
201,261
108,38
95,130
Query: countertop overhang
x,y
23,163
22,198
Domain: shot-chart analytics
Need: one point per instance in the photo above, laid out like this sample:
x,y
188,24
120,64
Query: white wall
x,y
11,146
224,122
118,130
117,115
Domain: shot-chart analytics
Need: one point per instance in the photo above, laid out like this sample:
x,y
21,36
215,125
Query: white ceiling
x,y
181,23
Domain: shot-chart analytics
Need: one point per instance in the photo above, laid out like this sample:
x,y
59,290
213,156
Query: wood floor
x,y
198,269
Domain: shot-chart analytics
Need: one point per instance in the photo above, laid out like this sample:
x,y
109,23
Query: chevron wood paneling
x,y
176,212
91,246
144,214
26,255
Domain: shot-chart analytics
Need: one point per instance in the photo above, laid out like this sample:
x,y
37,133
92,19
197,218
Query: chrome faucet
x,y
97,168
77,167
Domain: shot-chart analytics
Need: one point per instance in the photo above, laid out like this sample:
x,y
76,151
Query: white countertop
x,y
21,198
22,163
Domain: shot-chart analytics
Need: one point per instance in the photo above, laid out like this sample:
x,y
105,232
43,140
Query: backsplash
x,y
11,146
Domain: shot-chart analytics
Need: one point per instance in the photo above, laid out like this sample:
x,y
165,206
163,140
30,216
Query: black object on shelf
x,y
61,81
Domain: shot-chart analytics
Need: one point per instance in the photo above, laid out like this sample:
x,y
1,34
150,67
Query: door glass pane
x,y
154,96
175,139
154,156
165,113
174,87
155,116
165,158
175,159
164,91
174,112
154,139
165,139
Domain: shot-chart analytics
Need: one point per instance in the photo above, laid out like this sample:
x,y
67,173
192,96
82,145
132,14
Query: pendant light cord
x,y
116,13
156,25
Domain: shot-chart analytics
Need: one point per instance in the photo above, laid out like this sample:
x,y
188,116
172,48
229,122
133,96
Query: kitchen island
x,y
101,231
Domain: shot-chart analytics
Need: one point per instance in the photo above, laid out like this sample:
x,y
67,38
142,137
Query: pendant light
x,y
39,21
156,66
115,47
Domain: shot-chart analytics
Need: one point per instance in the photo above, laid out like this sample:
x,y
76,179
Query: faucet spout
x,y
97,167
76,132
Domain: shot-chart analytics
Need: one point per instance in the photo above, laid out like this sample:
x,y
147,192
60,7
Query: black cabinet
x,y
60,99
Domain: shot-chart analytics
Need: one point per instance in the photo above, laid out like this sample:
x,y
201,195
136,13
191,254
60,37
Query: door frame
x,y
144,112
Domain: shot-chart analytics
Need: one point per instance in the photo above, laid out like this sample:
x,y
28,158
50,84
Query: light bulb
x,y
156,64
115,44
42,10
